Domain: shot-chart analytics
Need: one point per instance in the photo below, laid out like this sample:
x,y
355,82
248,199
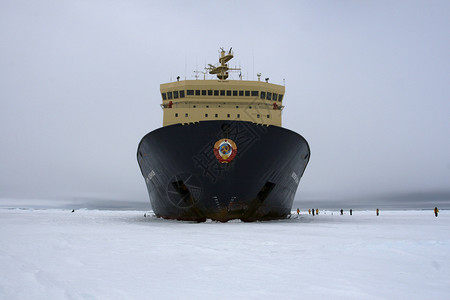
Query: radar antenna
x,y
222,70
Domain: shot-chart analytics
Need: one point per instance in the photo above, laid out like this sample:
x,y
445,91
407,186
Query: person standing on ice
x,y
378,212
309,211
313,211
298,211
436,210
342,211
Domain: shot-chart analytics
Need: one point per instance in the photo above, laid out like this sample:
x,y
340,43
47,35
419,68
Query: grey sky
x,y
367,84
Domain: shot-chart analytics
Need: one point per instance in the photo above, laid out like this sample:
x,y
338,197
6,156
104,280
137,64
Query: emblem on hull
x,y
225,150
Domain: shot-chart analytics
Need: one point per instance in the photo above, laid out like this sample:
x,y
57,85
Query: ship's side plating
x,y
186,181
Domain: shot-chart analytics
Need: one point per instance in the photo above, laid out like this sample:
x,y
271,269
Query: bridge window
x,y
216,92
195,106
197,92
257,115
186,115
269,96
238,116
237,106
235,93
255,93
190,92
182,94
247,93
175,94
280,97
203,92
164,96
268,116
275,97
228,115
169,95
222,92
263,95
217,115
210,92
228,93
176,115
241,93
206,115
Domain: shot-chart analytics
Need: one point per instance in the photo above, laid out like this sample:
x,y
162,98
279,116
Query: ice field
x,y
94,254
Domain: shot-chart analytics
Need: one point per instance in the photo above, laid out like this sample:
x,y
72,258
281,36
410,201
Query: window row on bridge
x,y
263,95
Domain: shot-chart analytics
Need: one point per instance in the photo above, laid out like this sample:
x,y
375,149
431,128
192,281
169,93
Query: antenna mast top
x,y
222,69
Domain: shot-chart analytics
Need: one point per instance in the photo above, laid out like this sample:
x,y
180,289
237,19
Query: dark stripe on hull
x,y
185,181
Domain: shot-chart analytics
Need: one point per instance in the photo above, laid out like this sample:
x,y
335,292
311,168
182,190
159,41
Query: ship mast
x,y
222,69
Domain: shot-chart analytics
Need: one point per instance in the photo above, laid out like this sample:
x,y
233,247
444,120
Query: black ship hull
x,y
186,181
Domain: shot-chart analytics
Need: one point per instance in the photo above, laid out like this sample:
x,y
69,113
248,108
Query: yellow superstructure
x,y
192,101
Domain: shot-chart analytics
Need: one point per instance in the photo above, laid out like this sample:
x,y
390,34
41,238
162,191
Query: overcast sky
x,y
367,84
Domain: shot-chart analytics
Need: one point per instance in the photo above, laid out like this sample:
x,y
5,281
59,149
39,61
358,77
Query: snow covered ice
x,y
92,254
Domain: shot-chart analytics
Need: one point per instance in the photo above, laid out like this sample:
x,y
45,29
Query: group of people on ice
x,y
316,211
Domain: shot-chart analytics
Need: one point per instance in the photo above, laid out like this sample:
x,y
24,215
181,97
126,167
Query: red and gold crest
x,y
225,150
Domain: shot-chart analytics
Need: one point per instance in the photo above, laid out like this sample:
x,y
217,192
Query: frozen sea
x,y
106,254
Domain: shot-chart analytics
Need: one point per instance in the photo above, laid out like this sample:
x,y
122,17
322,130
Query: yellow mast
x,y
222,69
